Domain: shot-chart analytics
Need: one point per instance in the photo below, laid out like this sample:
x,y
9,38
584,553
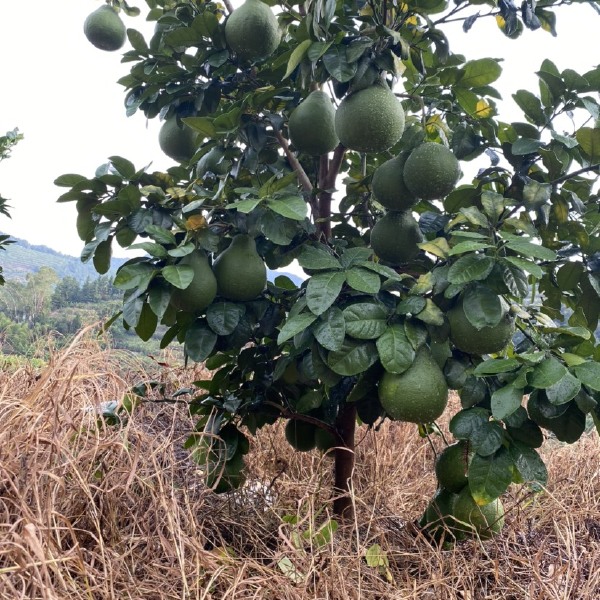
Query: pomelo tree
x,y
487,284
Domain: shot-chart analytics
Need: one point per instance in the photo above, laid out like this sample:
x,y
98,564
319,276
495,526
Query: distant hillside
x,y
22,258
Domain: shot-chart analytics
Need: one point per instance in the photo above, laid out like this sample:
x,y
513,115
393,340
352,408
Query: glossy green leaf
x,y
323,289
490,476
395,351
365,321
353,358
330,329
505,401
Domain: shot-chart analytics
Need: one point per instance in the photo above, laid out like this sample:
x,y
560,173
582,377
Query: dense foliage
x,y
518,242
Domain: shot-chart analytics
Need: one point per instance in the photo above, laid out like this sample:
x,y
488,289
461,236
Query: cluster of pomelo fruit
x,y
223,277
453,513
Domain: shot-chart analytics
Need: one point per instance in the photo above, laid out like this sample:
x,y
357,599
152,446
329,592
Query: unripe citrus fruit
x,y
176,140
240,271
388,185
395,236
431,171
419,395
451,467
469,339
485,521
311,125
252,31
370,120
300,435
203,287
104,29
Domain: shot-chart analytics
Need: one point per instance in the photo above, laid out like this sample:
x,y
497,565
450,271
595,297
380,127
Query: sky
x,y
61,93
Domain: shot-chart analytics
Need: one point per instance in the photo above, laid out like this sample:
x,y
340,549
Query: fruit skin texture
x,y
300,435
451,467
431,171
388,185
203,288
104,29
252,31
395,236
485,521
311,125
177,142
419,395
240,271
370,120
478,341
213,161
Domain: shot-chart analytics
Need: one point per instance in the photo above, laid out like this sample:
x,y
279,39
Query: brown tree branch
x,y
300,172
581,171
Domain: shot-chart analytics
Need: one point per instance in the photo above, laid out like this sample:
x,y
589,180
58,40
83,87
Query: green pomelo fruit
x,y
177,141
451,467
395,236
370,120
438,514
203,287
419,395
252,31
470,518
300,435
431,171
312,125
214,162
325,440
388,185
487,340
369,409
104,29
240,271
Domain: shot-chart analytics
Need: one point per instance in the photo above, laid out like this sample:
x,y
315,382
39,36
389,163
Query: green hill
x,y
22,258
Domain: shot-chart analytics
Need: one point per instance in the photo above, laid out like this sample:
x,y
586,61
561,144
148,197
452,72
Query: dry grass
x,y
102,513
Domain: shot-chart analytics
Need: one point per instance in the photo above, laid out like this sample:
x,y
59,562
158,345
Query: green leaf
x,y
330,329
589,141
245,206
352,358
490,476
536,194
487,439
473,267
526,146
147,322
493,204
526,265
431,314
494,366
135,275
69,180
395,351
529,464
199,341
336,63
317,259
363,280
477,73
178,275
565,389
482,307
223,317
203,125
505,401
102,256
290,207
159,297
124,167
161,235
297,56
323,289
355,257
295,325
466,423
589,374
531,250
365,321
531,105
547,373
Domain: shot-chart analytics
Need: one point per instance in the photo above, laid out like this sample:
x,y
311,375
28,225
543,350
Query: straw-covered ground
x,y
121,512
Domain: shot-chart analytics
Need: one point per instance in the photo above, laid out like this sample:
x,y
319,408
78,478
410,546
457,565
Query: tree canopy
x,y
518,242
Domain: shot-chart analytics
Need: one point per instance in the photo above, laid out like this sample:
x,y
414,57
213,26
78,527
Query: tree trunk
x,y
343,507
